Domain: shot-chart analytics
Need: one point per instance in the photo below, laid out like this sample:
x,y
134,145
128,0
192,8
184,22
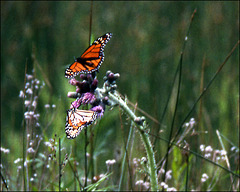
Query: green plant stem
x,y
60,166
124,158
147,143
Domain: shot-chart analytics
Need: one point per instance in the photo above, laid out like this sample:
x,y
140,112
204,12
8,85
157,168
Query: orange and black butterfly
x,y
78,119
91,59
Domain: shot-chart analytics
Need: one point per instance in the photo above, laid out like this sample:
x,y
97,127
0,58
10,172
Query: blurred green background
x,y
145,49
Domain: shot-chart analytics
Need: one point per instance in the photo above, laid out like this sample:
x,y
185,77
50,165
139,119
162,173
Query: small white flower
x,y
29,77
36,116
207,155
29,91
192,122
48,144
27,85
164,185
233,148
25,163
27,103
47,106
217,151
27,117
168,175
223,152
36,87
17,160
144,159
47,166
202,147
208,149
31,112
204,177
19,167
53,106
223,158
171,189
31,179
161,171
94,178
21,94
146,185
88,180
140,182
30,150
5,150
135,161
35,174
110,162
34,104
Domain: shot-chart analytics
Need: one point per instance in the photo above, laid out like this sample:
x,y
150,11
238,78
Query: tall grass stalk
x,y
60,165
145,138
205,89
178,92
227,160
124,160
24,131
86,163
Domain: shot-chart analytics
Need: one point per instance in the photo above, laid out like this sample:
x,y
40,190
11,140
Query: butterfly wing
x,y
78,119
91,59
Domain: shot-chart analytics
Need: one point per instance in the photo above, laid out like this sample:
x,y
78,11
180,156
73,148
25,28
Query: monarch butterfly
x,y
91,59
78,119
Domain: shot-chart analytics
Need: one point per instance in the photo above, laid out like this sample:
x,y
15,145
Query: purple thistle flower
x,y
74,82
94,85
83,76
99,109
76,104
88,97
84,87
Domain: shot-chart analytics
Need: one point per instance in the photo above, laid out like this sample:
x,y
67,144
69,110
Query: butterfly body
x,y
76,120
91,59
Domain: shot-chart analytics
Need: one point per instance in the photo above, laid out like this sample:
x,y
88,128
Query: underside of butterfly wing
x,y
76,120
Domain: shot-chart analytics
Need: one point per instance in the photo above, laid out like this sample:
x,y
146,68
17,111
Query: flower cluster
x,y
204,177
87,91
4,150
32,88
216,155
